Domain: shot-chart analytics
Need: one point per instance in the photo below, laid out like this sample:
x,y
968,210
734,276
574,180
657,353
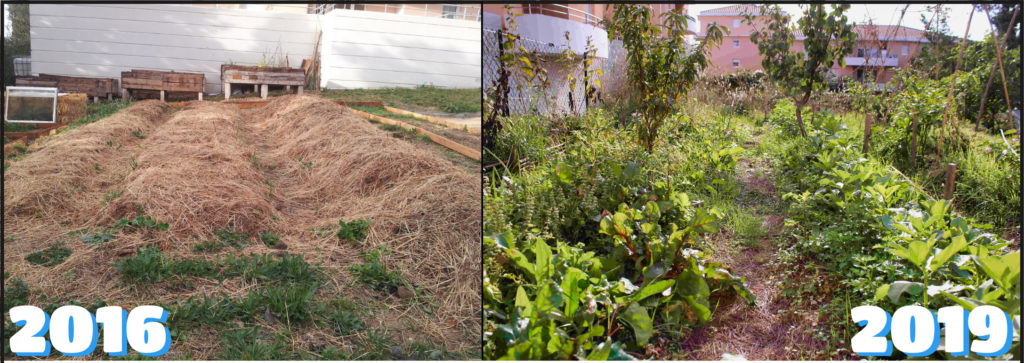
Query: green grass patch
x,y
269,238
374,274
51,256
428,97
231,237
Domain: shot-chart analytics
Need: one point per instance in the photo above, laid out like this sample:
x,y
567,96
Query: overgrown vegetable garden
x,y
722,222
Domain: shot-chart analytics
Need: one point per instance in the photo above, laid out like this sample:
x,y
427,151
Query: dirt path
x,y
777,328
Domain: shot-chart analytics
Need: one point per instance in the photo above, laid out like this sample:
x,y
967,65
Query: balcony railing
x,y
873,61
561,11
446,11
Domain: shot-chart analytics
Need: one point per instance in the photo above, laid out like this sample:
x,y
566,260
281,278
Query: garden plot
x,y
293,231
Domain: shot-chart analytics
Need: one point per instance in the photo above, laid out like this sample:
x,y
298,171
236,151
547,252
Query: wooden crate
x,y
142,79
92,87
261,76
282,76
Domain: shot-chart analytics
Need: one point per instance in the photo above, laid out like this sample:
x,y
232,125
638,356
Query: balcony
x,y
872,59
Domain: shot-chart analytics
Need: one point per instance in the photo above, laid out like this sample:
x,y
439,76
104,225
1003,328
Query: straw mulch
x,y
195,174
52,179
423,208
299,164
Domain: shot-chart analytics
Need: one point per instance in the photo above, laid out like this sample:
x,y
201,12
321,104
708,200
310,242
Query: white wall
x,y
364,49
102,40
359,49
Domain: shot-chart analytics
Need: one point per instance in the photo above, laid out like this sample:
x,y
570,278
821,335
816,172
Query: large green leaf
x,y
543,254
654,288
571,289
636,316
899,287
958,243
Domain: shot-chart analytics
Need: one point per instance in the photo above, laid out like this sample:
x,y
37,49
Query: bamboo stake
x,y
991,75
999,59
913,144
867,132
949,98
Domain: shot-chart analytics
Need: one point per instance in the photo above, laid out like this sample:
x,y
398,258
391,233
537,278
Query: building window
x,y
735,63
905,50
735,43
735,23
860,52
449,11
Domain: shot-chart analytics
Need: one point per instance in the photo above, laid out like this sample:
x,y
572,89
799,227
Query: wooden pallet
x,y
262,77
163,82
93,87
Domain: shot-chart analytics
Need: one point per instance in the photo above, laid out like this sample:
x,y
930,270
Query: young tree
x,y
828,39
17,41
661,66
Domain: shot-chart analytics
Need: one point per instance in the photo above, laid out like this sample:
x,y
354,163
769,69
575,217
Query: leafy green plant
x,y
269,238
207,246
354,231
661,66
231,237
374,274
51,256
138,134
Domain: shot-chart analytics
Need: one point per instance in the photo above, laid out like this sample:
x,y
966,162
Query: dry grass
x,y
211,164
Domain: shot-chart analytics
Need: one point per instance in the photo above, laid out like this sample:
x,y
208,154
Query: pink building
x,y
880,48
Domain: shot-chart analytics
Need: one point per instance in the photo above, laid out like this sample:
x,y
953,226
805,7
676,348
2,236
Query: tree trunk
x,y
799,115
984,96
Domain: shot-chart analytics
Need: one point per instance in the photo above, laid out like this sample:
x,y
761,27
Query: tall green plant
x,y
661,66
828,39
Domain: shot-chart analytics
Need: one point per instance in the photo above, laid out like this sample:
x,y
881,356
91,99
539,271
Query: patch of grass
x,y
251,344
149,266
231,237
342,316
138,134
425,97
374,274
112,194
747,226
354,231
15,294
140,222
51,256
207,246
269,238
9,239
397,131
18,127
383,112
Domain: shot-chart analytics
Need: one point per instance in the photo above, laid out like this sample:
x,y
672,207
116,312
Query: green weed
x,y
51,256
374,274
269,238
111,195
354,231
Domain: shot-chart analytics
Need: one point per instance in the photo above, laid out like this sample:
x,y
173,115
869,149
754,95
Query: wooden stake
x,y
950,181
227,91
999,58
162,94
992,74
956,69
867,132
913,143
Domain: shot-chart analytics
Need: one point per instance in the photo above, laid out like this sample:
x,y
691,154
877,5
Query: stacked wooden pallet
x,y
92,87
139,79
261,77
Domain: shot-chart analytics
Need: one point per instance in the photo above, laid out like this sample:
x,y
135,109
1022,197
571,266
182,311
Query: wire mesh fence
x,y
547,88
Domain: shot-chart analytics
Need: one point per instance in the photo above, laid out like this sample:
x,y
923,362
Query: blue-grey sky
x,y
889,14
